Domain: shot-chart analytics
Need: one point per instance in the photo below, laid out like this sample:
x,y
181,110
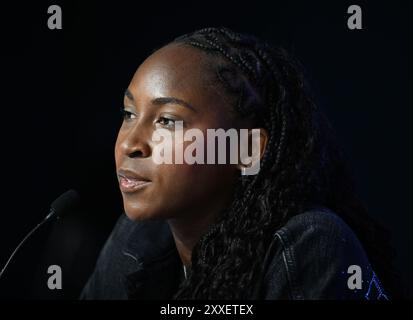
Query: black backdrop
x,y
61,91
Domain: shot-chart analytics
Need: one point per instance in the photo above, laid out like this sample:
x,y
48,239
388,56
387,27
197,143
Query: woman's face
x,y
172,84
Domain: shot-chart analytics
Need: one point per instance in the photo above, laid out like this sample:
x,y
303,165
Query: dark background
x,y
62,89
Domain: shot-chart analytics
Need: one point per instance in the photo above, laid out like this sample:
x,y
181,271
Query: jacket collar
x,y
157,264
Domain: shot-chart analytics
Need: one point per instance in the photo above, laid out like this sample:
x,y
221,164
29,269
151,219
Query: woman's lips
x,y
128,184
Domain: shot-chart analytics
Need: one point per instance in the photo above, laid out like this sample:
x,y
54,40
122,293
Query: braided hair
x,y
301,166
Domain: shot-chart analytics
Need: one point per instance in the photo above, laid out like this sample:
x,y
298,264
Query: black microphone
x,y
64,204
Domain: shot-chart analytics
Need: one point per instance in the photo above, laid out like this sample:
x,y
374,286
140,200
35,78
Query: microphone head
x,y
65,202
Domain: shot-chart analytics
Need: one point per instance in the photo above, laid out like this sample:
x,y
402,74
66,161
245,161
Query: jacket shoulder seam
x,y
288,255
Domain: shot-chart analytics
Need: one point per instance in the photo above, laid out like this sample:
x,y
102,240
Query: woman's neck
x,y
187,232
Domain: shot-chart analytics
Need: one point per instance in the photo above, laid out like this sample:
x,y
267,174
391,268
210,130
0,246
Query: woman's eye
x,y
127,115
166,122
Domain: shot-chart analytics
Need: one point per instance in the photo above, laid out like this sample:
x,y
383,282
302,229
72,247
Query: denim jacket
x,y
315,255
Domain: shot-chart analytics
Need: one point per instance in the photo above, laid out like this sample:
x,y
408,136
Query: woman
x,y
294,230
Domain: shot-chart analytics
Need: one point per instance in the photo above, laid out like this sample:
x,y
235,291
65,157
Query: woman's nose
x,y
135,144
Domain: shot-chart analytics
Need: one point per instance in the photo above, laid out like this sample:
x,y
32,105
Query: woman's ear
x,y
257,144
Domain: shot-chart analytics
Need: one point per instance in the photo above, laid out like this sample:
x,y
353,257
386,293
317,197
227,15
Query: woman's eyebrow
x,y
129,95
166,100
163,100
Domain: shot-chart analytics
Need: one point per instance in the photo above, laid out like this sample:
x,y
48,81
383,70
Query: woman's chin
x,y
140,214
135,215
